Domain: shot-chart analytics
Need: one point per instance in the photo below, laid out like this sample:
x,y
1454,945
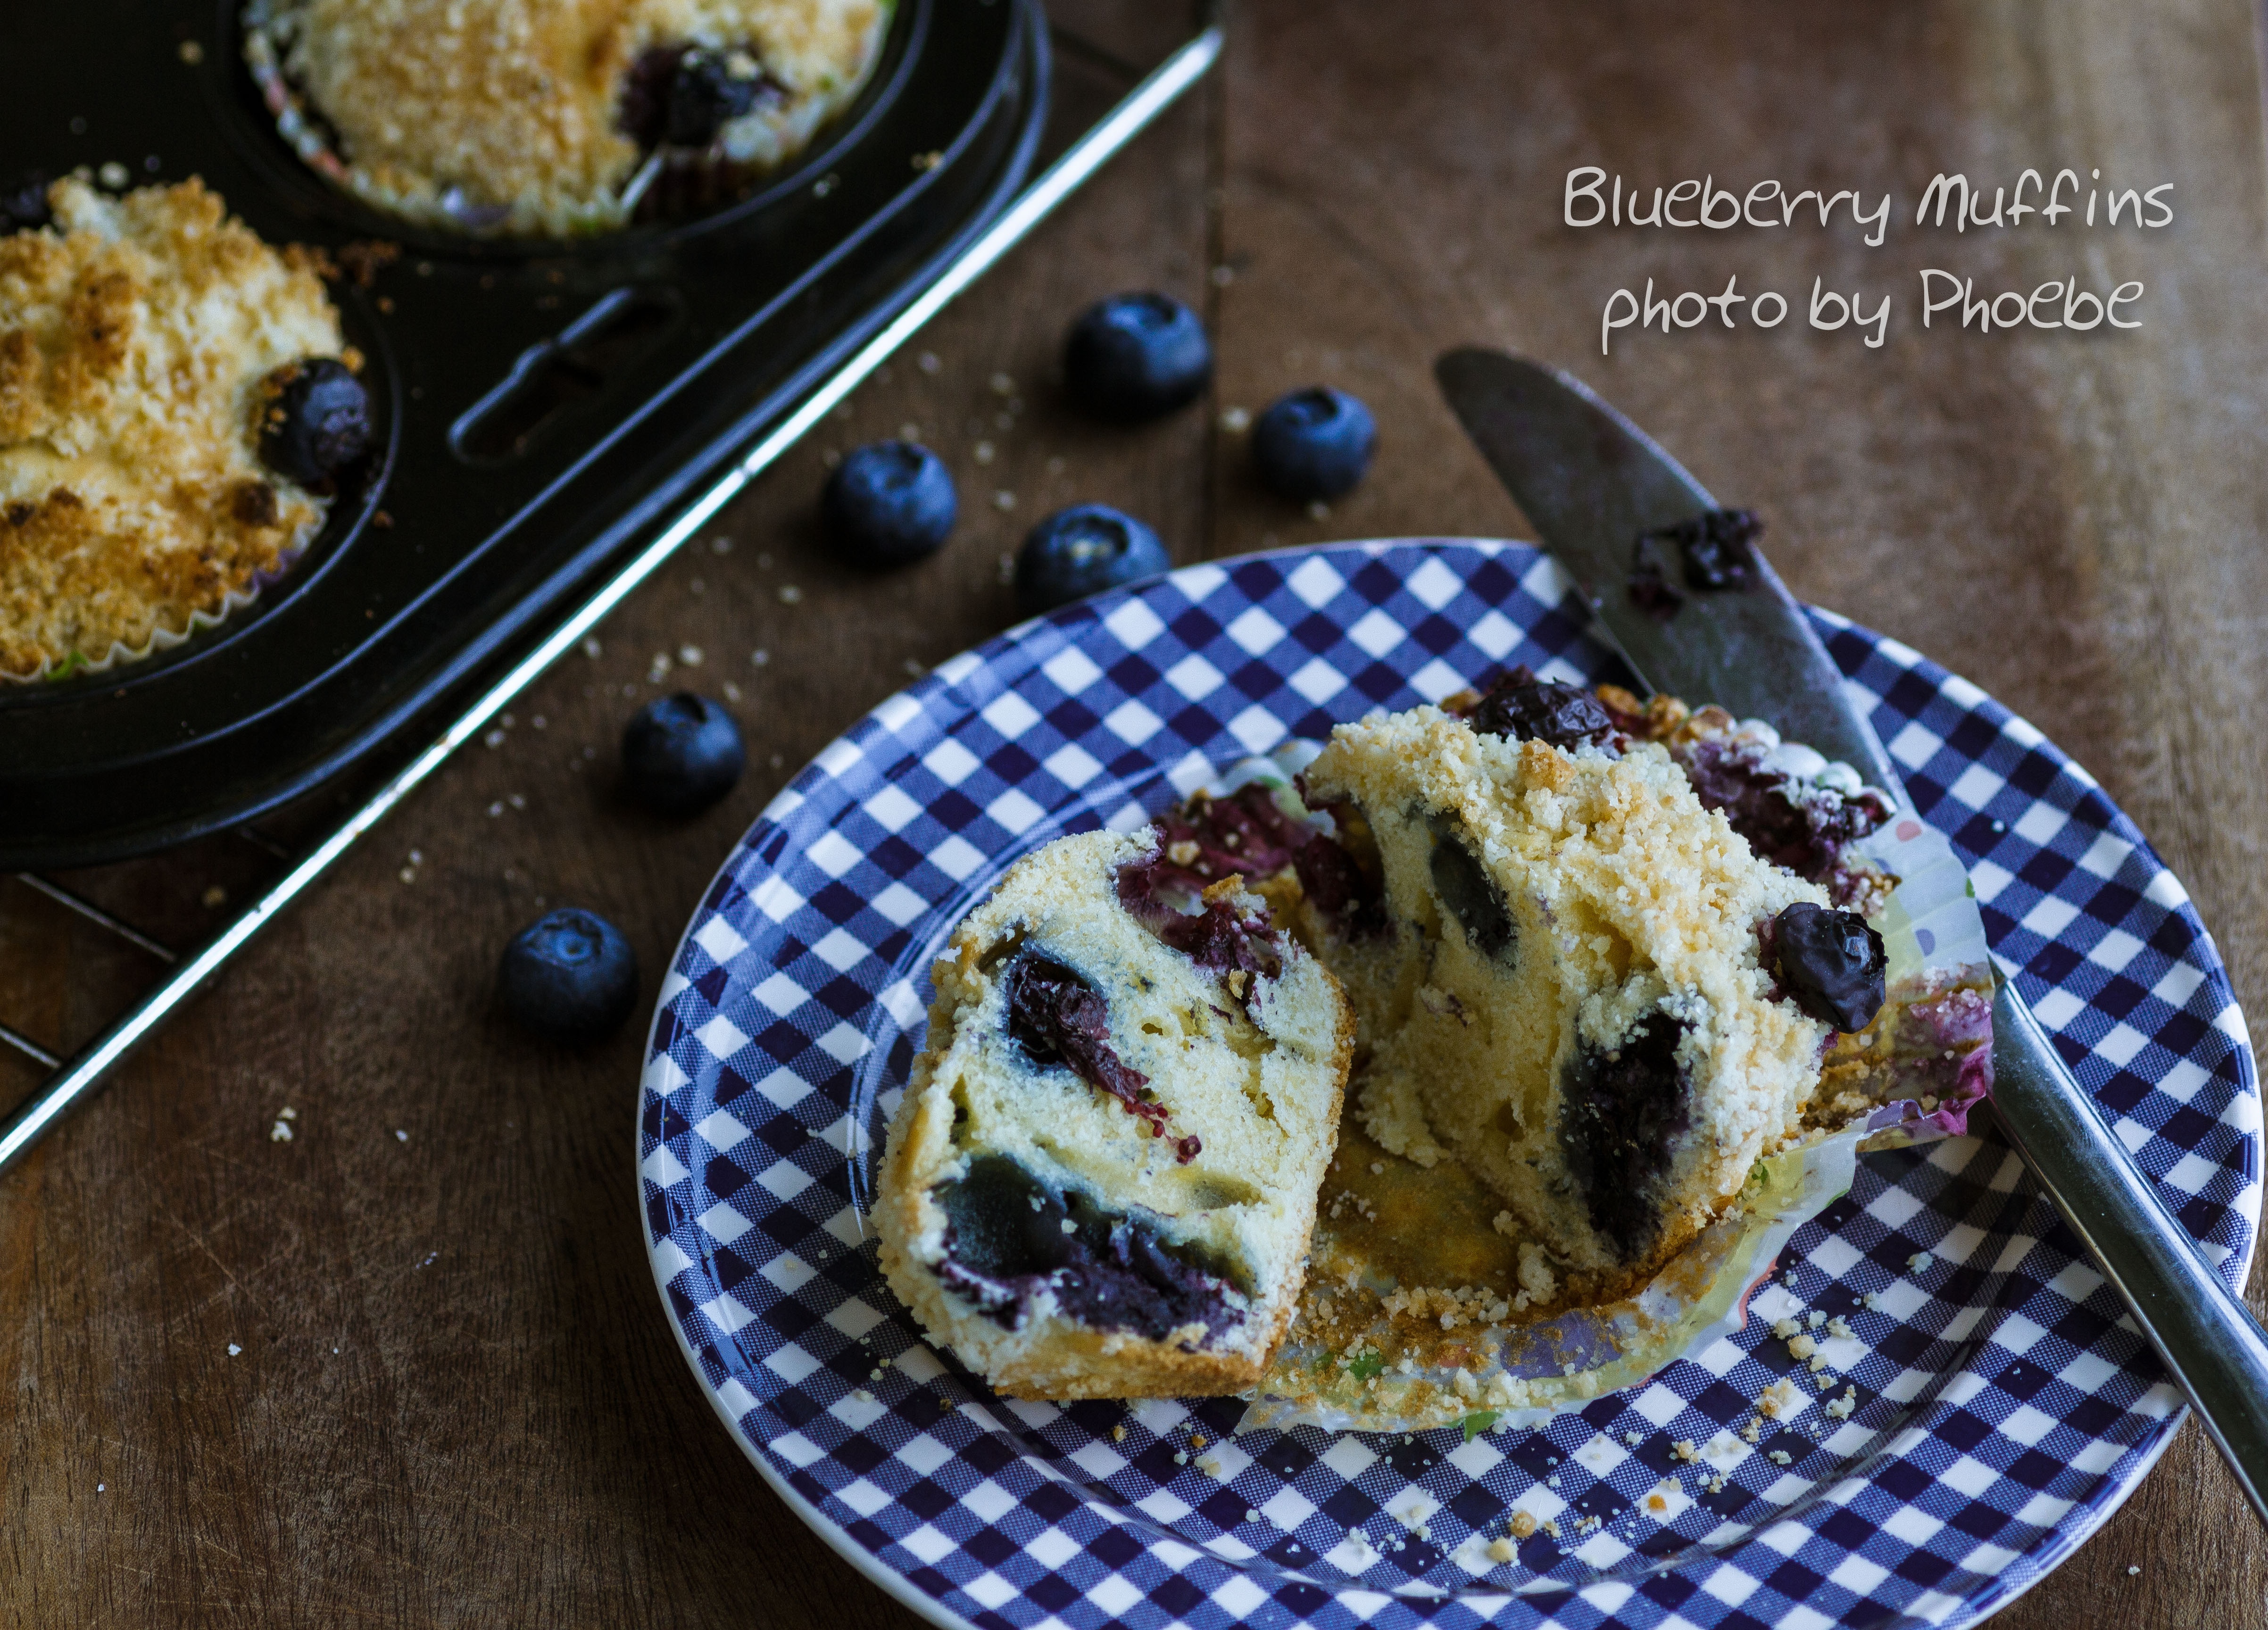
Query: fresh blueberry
x,y
570,976
681,754
1082,550
317,424
1313,444
888,503
23,202
1136,356
1831,962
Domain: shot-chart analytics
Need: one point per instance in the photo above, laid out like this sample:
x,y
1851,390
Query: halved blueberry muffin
x,y
176,402
1102,1178
555,117
1584,1014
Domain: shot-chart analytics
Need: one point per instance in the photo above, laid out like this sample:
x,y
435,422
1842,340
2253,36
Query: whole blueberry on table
x,y
569,976
887,503
1082,550
1832,964
681,753
1313,444
1135,357
317,423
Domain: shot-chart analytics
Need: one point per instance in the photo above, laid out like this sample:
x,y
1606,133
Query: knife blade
x,y
1592,483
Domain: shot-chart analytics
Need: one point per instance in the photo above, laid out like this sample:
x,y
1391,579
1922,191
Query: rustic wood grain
x,y
2074,523
456,1400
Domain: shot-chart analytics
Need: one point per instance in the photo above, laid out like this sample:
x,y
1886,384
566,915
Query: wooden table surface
x,y
409,1367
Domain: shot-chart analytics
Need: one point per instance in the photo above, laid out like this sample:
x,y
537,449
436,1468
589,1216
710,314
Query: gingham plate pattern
x,y
2003,1407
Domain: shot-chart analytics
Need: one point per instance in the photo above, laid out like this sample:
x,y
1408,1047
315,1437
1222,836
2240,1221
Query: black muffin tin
x,y
544,407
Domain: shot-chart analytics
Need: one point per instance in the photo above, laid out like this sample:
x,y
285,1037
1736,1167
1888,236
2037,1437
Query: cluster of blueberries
x,y
1133,358
571,975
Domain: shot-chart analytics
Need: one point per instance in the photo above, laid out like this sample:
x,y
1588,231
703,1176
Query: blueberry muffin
x,y
555,117
176,403
1102,1178
1585,1015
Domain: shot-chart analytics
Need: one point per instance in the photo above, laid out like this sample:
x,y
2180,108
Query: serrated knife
x,y
1592,483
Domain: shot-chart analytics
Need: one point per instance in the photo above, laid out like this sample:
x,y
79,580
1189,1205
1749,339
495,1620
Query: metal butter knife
x,y
1592,483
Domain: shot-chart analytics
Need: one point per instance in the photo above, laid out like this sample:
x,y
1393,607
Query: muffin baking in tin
x,y
553,118
177,403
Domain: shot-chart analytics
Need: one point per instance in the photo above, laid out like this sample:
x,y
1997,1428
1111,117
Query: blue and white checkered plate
x,y
2005,1407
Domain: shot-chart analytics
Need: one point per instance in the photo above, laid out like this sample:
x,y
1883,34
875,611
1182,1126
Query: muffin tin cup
x,y
353,509
674,190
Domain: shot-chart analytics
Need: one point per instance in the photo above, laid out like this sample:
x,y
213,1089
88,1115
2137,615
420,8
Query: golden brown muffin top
x,y
134,336
456,107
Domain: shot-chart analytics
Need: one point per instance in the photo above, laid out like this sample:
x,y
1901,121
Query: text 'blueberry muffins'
x,y
1102,1178
555,117
175,397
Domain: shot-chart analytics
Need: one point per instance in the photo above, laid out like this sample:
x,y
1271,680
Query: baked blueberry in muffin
x,y
177,407
554,117
1795,809
1102,1178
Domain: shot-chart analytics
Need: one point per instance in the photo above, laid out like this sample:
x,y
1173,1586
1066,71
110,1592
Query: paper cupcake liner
x,y
1926,1064
201,619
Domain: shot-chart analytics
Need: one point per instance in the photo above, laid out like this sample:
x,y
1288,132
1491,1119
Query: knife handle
x,y
2207,1338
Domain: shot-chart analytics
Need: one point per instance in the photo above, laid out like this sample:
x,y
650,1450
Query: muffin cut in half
x,y
175,399
554,117
1581,1010
1102,1178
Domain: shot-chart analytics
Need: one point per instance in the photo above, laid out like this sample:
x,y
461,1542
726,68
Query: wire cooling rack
x,y
283,864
